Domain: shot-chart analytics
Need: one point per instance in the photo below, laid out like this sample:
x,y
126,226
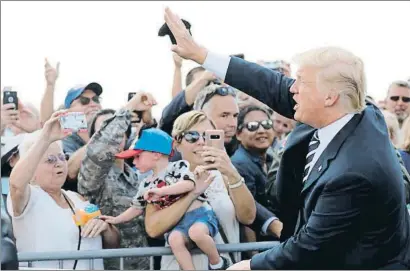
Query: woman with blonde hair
x,y
227,194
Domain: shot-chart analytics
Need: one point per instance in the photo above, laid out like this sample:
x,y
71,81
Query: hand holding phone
x,y
10,97
73,122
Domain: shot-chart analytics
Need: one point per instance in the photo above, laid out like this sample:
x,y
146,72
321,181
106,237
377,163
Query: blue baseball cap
x,y
152,140
76,91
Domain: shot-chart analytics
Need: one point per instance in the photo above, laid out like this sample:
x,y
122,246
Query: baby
x,y
167,183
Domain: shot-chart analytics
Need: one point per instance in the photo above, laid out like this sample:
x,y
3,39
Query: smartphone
x,y
10,97
215,138
130,95
73,122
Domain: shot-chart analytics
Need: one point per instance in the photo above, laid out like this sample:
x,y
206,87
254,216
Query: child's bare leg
x,y
199,233
177,241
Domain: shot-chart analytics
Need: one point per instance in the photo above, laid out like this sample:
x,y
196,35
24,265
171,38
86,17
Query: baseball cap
x,y
76,91
152,140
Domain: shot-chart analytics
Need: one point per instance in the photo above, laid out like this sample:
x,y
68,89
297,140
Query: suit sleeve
x,y
332,226
267,86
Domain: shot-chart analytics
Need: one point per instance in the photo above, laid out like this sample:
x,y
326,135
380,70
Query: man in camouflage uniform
x,y
111,183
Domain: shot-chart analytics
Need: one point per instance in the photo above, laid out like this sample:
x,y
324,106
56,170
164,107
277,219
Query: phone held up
x,y
10,97
216,139
73,122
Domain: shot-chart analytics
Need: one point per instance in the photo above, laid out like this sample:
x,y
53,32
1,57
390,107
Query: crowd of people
x,y
158,182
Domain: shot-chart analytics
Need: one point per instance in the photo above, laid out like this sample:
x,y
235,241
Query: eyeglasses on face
x,y
85,100
191,136
221,91
253,126
52,159
403,98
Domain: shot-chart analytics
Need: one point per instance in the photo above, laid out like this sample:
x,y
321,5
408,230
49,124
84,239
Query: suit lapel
x,y
330,152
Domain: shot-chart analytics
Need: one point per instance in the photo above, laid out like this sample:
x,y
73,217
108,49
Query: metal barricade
x,y
130,252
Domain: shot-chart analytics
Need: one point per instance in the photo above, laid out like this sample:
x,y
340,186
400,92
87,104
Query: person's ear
x,y
331,98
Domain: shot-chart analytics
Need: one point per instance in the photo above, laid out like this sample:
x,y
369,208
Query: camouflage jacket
x,y
113,188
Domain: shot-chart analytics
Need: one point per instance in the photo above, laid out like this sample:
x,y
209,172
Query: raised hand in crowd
x,y
52,130
142,101
9,116
177,84
51,73
186,47
47,102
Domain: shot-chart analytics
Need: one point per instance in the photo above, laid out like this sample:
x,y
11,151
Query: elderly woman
x,y
228,196
42,212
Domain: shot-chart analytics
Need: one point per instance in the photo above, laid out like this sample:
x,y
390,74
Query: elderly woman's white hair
x,y
341,71
29,140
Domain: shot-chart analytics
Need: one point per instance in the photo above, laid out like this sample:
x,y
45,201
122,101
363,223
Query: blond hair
x,y
341,71
188,120
406,135
393,127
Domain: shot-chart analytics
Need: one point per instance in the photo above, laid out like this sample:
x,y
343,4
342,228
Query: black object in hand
x,y
164,30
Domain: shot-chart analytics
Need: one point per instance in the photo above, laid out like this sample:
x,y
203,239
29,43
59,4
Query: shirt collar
x,y
327,133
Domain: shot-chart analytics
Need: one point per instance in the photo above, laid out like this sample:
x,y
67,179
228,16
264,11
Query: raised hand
x,y
52,129
186,47
141,101
9,116
51,73
177,60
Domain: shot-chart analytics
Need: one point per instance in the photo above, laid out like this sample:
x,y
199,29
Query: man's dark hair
x,y
190,76
102,112
245,111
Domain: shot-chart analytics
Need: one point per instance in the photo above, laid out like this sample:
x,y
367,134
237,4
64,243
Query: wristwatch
x,y
236,184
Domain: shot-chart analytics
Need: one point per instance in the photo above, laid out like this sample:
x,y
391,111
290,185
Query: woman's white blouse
x,y
45,226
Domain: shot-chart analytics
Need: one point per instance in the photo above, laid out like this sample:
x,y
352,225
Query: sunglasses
x,y
191,136
252,126
222,91
403,98
52,159
85,100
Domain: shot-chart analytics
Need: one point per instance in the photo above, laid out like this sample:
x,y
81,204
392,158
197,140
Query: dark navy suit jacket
x,y
353,211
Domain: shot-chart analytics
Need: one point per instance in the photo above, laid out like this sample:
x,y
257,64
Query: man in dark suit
x,y
340,187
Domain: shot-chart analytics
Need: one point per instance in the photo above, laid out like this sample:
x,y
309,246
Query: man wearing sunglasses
x,y
84,99
398,100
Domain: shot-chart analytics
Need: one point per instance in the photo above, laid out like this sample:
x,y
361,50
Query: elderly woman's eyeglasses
x,y
191,136
252,126
52,159
222,91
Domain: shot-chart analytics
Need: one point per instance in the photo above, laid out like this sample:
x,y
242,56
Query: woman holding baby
x,y
227,195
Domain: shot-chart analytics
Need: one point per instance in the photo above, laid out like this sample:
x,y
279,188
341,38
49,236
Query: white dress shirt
x,y
326,134
217,64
